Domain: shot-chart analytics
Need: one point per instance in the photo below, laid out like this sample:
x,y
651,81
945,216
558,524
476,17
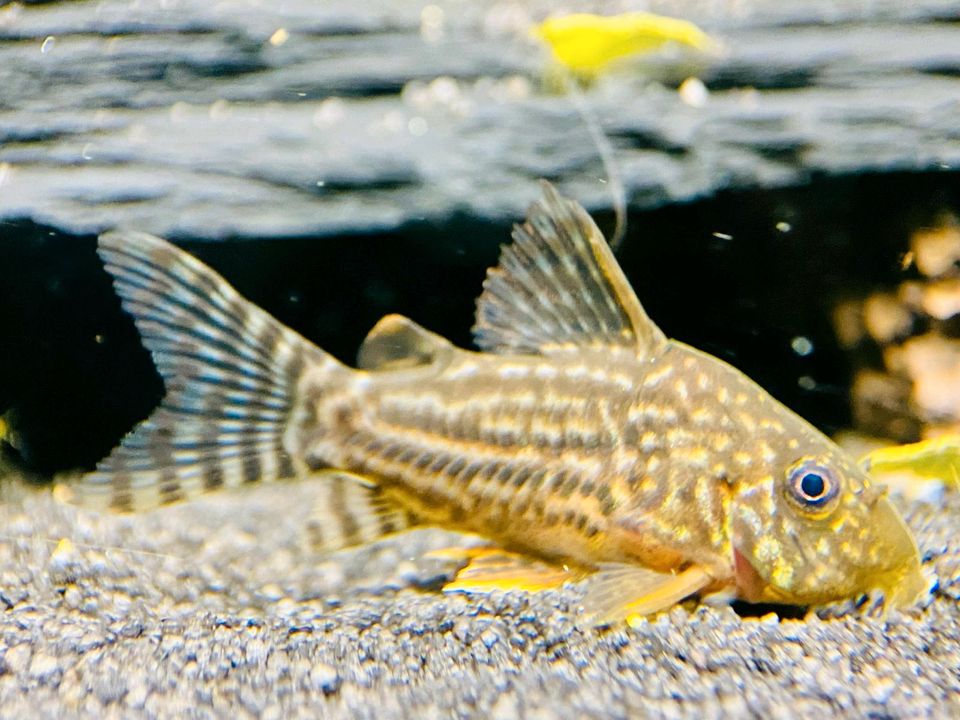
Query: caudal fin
x,y
230,371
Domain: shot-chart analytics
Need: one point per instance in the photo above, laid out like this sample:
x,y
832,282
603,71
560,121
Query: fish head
x,y
810,527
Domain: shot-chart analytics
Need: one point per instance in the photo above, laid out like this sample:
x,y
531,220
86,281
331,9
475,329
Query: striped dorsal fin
x,y
558,286
230,372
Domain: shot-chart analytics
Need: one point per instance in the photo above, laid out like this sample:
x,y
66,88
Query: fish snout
x,y
898,570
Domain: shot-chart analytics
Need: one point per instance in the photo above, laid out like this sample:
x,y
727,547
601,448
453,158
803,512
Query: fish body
x,y
579,434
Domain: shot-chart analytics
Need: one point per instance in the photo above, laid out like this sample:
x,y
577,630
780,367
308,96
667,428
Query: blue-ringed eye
x,y
812,484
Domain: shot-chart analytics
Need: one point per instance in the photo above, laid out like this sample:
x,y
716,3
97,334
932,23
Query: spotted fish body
x,y
579,434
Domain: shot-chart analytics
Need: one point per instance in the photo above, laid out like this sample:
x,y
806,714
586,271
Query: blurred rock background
x,y
905,340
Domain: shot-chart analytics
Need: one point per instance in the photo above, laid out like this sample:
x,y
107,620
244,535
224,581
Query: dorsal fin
x,y
397,342
559,285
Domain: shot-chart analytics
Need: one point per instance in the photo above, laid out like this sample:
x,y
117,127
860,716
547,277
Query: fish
x,y
577,437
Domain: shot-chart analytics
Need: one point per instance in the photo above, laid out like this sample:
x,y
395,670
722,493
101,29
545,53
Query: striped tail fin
x,y
230,371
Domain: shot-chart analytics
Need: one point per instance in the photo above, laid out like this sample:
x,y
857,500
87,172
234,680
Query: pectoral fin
x,y
491,569
627,592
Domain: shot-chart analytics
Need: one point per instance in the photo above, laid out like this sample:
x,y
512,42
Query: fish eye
x,y
812,485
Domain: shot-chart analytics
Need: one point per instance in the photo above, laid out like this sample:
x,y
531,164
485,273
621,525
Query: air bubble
x,y
802,345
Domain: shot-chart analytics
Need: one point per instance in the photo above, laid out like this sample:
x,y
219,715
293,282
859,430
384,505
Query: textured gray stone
x,y
218,608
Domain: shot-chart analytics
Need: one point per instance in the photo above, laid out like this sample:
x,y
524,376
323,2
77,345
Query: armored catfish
x,y
578,435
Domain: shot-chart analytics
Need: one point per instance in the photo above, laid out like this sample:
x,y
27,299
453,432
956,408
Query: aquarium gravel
x,y
219,608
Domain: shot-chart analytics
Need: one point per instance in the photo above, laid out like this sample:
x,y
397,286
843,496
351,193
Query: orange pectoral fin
x,y
497,569
629,592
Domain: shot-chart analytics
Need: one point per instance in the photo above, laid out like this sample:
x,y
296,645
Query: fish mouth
x,y
898,573
750,586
